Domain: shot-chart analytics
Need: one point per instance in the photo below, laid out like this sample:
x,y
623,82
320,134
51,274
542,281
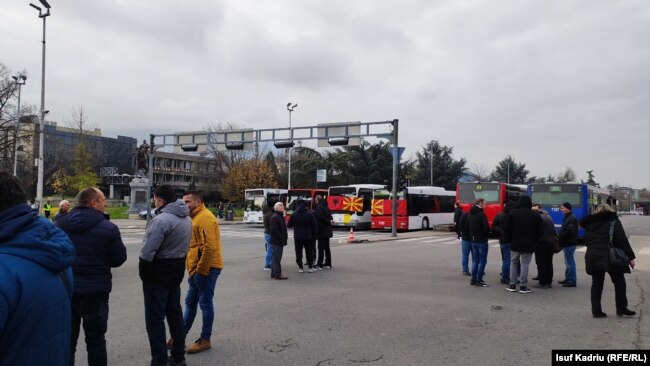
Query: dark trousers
x,y
162,302
544,261
597,283
310,250
92,312
276,268
324,252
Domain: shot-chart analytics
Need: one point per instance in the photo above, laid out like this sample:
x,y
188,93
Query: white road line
x,y
645,250
441,240
582,250
409,239
495,246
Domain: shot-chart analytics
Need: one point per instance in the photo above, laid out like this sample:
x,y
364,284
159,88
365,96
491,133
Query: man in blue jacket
x,y
35,283
99,248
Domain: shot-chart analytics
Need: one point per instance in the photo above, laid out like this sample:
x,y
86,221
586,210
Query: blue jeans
x,y
201,292
160,302
269,250
479,260
94,314
466,248
520,260
505,262
570,260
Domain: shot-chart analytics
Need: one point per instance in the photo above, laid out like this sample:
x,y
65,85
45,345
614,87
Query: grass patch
x,y
118,212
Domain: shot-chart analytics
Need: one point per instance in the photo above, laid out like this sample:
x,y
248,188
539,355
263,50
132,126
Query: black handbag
x,y
617,256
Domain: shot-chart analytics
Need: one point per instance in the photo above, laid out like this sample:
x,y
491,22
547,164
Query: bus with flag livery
x,y
495,194
350,205
417,208
257,198
583,199
306,194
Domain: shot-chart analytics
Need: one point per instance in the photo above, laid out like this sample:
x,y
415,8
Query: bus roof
x,y
372,186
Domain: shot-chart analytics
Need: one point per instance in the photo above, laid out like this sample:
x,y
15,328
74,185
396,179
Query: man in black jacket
x,y
545,249
525,228
479,230
99,248
568,242
304,234
500,227
465,242
324,219
458,212
278,229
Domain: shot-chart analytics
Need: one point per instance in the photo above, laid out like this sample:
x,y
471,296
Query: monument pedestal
x,y
139,199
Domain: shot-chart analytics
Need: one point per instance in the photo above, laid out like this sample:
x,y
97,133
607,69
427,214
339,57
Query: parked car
x,y
143,214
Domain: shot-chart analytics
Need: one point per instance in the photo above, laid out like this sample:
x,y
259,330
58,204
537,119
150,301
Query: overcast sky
x,y
555,84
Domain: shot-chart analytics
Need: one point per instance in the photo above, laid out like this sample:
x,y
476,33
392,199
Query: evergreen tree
x,y
446,170
509,171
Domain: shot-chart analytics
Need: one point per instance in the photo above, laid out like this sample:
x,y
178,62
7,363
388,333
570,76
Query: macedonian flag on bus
x,y
353,204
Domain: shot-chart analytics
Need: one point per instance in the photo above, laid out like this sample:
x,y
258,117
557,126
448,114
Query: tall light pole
x,y
39,185
20,81
431,163
290,109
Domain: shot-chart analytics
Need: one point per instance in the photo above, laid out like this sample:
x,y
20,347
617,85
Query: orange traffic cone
x,y
351,236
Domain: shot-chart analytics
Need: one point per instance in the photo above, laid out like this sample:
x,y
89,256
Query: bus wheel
x,y
425,224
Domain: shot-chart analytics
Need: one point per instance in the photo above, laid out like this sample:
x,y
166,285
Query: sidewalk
x,y
140,224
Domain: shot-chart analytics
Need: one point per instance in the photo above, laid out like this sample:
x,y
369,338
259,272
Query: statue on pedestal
x,y
142,158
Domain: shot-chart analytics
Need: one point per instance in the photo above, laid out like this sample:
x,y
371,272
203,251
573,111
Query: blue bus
x,y
583,198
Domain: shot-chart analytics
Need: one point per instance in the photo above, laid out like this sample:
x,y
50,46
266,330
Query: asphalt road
x,y
394,302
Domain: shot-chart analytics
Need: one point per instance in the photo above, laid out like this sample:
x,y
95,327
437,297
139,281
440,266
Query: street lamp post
x,y
290,108
431,163
39,185
20,81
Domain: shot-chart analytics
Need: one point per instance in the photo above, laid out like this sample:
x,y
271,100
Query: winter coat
x,y
304,224
463,225
99,247
35,258
478,225
525,228
278,230
166,242
324,219
458,212
500,224
266,219
549,238
569,231
597,241
205,246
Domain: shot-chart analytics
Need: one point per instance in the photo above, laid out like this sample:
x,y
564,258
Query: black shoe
x,y
466,274
481,284
472,283
599,315
505,282
563,282
536,278
567,284
172,361
511,288
626,312
524,290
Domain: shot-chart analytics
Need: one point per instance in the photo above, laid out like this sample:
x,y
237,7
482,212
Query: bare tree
x,y
566,177
481,172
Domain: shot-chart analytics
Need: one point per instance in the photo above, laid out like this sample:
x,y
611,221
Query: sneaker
x,y
328,267
524,290
311,270
626,312
267,268
300,270
320,268
200,345
466,273
599,315
511,288
175,361
481,284
563,282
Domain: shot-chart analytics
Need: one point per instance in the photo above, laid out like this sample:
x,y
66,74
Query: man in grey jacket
x,y
162,267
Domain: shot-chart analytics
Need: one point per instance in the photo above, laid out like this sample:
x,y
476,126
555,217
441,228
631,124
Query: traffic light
x,y
404,183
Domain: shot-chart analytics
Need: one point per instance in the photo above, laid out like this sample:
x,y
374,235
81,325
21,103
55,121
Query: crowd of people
x,y
526,230
55,276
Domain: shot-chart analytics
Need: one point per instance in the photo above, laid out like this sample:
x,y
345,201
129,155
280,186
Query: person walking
x,y
458,212
268,248
304,234
465,243
64,208
324,219
500,226
545,249
204,265
99,247
479,229
47,209
568,241
35,283
525,228
162,267
603,227
279,238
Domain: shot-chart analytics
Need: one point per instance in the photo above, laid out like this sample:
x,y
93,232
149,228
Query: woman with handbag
x,y
605,231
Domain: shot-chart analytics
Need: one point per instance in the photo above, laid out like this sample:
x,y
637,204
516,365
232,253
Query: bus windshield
x,y
254,203
298,195
555,195
470,192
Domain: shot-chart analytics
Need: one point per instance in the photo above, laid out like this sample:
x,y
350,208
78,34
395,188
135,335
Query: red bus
x,y
495,194
417,208
306,194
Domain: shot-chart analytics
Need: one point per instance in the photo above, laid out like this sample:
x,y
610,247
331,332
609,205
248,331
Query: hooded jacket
x,y
463,225
35,258
500,223
478,225
597,241
324,219
166,241
205,247
99,247
304,224
525,227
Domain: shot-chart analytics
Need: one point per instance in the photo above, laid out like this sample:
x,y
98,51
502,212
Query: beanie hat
x,y
567,205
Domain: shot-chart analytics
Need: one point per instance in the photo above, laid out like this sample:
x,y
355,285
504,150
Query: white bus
x,y
417,208
258,198
350,205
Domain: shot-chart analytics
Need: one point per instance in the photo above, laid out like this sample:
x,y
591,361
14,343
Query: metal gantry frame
x,y
327,134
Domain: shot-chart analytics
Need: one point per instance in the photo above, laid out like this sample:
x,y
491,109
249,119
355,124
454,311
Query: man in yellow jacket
x,y
204,264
